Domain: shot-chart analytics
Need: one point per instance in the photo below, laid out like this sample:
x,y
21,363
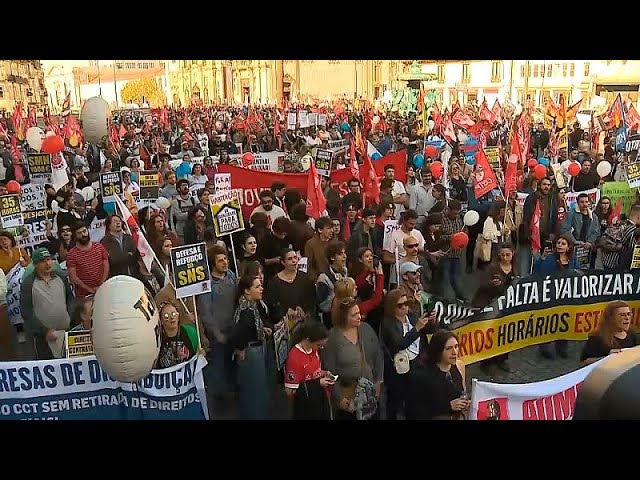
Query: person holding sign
x,y
583,227
87,262
179,343
10,253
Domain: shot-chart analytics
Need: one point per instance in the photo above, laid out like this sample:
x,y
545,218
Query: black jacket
x,y
122,259
310,402
359,239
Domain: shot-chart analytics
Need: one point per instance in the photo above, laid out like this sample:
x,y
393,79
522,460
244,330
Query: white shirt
x,y
275,212
398,189
396,239
133,188
414,349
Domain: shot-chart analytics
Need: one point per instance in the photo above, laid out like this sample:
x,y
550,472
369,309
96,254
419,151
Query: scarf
x,y
245,304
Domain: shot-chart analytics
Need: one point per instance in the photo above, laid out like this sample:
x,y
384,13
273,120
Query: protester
x,y
87,262
122,252
336,255
178,342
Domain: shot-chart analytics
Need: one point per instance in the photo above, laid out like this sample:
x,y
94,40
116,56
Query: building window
x,y
466,72
119,65
1,91
162,65
529,71
535,71
496,71
472,97
549,70
522,70
139,64
376,74
130,65
587,67
565,67
572,71
543,68
440,73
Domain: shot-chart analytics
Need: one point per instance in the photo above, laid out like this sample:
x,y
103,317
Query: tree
x,y
145,88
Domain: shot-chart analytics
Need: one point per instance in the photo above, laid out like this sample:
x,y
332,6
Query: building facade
x,y
21,81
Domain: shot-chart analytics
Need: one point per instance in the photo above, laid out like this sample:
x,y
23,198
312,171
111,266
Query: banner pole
x,y
235,259
398,265
195,320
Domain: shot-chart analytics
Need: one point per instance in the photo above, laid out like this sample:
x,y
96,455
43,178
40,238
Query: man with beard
x,y
180,207
87,262
268,208
547,224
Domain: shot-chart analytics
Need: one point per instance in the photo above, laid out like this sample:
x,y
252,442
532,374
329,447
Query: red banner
x,y
252,182
340,178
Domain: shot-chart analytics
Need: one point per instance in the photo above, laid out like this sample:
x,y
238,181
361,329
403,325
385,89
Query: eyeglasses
x,y
401,304
413,245
171,315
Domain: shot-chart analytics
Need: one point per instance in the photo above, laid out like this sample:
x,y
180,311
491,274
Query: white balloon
x,y
88,193
565,165
375,120
50,133
55,207
35,137
471,218
604,168
163,202
431,124
126,330
95,117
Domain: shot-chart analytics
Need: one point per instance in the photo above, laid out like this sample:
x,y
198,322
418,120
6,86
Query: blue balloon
x,y
418,160
375,156
543,161
345,127
470,159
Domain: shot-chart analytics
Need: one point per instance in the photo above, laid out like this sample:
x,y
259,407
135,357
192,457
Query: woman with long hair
x,y
612,334
370,287
403,338
157,230
494,232
209,169
458,183
561,260
248,339
248,253
197,177
353,353
439,390
306,384
134,166
178,343
123,253
195,225
604,213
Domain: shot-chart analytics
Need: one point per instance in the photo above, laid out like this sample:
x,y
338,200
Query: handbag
x,y
361,394
401,362
483,249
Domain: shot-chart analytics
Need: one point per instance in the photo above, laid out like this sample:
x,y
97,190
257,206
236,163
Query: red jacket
x,y
376,299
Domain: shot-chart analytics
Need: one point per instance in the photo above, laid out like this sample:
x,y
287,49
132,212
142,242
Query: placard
x,y
583,257
40,169
226,212
281,343
633,175
324,161
303,264
493,155
303,119
292,120
149,185
191,275
390,226
222,182
322,119
111,185
78,343
558,175
10,211
313,119
635,259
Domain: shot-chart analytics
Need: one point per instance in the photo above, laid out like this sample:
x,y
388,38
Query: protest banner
x,y
620,191
339,178
226,212
78,344
10,211
553,399
633,175
631,148
322,119
249,184
40,169
281,343
563,306
493,155
191,275
149,185
14,283
111,185
324,161
78,389
266,162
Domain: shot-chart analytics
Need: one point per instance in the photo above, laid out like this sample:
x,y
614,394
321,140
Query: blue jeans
x,y
253,394
452,274
524,260
220,372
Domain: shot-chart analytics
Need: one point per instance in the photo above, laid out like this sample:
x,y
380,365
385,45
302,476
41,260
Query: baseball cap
x,y
409,267
40,255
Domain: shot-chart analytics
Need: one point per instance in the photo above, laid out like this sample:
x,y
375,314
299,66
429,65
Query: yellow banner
x,y
488,338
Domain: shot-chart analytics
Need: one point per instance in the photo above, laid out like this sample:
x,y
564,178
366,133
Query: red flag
x,y
616,112
370,185
486,114
511,172
615,216
15,153
66,105
144,156
122,132
448,132
139,240
437,117
535,228
462,119
353,164
633,119
485,179
497,110
3,132
18,122
455,107
276,130
31,118
316,203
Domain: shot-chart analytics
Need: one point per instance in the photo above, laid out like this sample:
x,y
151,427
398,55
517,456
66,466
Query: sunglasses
x,y
401,304
413,245
171,315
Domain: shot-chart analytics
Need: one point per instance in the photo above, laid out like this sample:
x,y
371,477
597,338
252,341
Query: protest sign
x,y
222,181
281,343
191,275
324,161
226,212
14,283
563,306
111,185
633,175
303,119
40,169
553,399
292,120
322,119
635,259
631,147
390,226
149,185
303,264
10,211
620,191
78,389
78,344
493,155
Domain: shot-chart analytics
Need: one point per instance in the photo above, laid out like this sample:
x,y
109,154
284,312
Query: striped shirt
x,y
89,266
611,260
449,228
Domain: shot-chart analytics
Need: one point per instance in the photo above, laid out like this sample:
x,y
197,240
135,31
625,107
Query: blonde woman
x,y
344,289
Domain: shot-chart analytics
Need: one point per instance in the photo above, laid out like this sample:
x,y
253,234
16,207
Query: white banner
x,y
549,400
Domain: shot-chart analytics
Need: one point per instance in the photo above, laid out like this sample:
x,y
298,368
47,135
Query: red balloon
x,y
459,240
431,151
247,159
436,169
540,172
52,145
532,163
574,169
13,187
